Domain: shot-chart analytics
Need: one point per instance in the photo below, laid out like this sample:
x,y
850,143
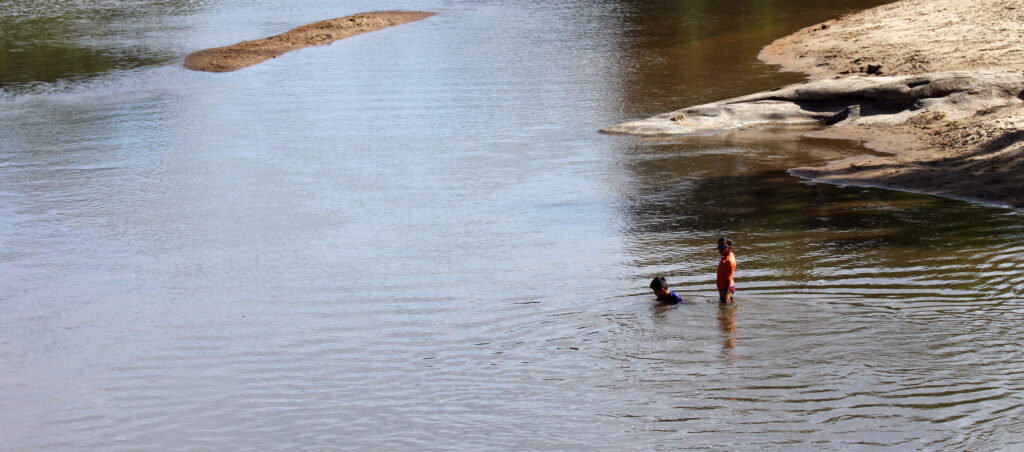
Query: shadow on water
x,y
48,41
794,235
684,53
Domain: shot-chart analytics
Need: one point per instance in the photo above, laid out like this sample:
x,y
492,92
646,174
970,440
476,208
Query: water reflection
x,y
433,249
727,323
687,52
46,41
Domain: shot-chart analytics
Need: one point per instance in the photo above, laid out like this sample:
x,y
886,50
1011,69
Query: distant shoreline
x,y
977,158
248,53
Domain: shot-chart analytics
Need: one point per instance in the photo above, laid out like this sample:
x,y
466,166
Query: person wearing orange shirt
x,y
726,270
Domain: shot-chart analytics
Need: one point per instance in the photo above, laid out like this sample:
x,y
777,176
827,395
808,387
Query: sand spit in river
x,y
977,158
248,53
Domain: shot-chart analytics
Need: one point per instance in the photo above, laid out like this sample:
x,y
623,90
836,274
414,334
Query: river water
x,y
416,239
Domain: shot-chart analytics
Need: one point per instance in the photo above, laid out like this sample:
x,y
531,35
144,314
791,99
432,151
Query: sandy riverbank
x,y
980,157
248,53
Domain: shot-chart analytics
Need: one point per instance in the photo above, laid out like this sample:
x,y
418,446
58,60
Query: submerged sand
x,y
978,158
248,53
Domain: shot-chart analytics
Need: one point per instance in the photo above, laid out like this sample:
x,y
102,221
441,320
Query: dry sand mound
x,y
908,37
979,157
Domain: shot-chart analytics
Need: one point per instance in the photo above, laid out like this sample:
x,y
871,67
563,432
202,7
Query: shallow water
x,y
415,239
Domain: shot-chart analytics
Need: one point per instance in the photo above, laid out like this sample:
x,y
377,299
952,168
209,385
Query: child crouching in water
x,y
660,288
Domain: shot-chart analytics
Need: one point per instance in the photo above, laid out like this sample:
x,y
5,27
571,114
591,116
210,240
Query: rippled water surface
x,y
416,239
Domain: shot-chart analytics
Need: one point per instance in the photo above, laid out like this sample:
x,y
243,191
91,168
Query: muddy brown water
x,y
415,239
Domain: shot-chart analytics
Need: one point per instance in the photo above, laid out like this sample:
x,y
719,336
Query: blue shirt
x,y
672,298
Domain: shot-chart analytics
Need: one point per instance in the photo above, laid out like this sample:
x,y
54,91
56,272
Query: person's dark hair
x,y
659,283
725,241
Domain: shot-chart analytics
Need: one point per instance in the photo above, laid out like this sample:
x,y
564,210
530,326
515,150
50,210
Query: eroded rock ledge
x,y
248,53
854,101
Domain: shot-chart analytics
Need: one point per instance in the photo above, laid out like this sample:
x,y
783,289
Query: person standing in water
x,y
726,270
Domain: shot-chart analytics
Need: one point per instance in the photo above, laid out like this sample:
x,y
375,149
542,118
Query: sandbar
x,y
248,53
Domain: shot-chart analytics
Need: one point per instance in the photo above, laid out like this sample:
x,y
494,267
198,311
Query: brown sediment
x,y
248,53
979,157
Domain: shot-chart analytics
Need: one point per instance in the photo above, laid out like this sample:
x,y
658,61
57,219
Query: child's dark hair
x,y
659,283
725,241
